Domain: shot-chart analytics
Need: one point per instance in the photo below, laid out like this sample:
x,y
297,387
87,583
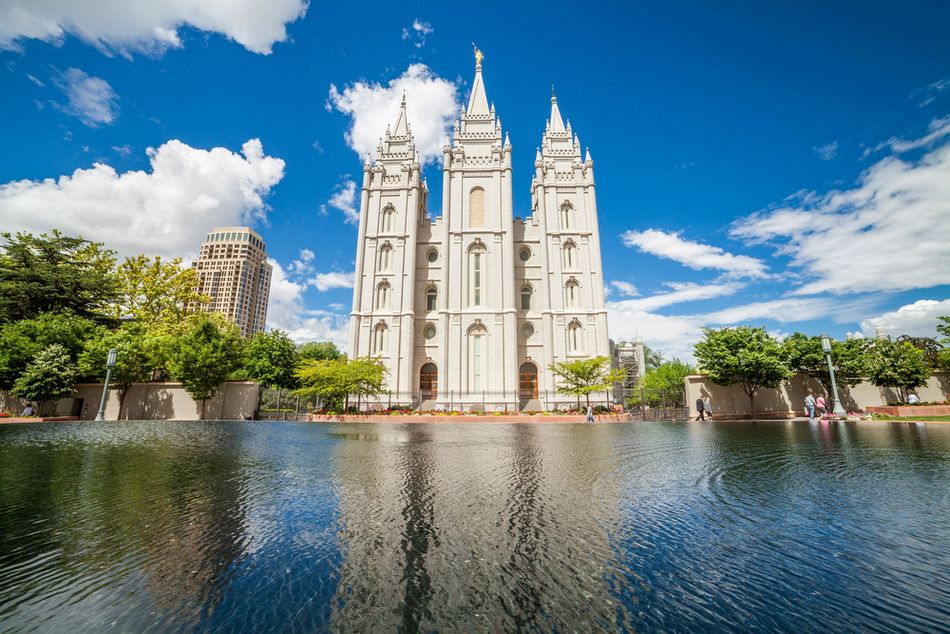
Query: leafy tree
x,y
135,357
54,273
849,358
21,341
651,359
318,351
271,359
205,355
897,364
742,355
943,358
49,376
663,385
585,376
928,345
154,291
334,381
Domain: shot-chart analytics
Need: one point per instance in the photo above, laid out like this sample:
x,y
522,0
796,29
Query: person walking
x,y
913,399
810,405
820,406
700,408
707,407
590,414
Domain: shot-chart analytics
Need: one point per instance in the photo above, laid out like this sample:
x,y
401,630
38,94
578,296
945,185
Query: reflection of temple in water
x,y
485,532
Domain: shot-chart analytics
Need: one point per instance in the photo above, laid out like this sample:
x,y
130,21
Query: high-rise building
x,y
235,274
472,308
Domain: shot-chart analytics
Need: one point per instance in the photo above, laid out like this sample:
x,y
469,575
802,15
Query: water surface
x,y
301,527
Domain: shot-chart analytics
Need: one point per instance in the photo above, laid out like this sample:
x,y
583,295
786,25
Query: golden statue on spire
x,y
478,55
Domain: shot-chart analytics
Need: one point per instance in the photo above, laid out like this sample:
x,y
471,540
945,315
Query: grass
x,y
945,419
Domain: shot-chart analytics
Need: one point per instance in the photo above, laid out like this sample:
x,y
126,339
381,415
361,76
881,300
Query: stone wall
x,y
237,400
788,399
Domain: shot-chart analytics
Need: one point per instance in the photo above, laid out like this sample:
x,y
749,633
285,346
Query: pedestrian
x,y
707,407
820,405
701,408
912,399
590,414
810,405
28,410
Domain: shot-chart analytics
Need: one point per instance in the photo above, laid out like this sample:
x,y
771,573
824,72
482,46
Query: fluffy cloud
x,y
682,292
626,289
164,211
417,32
285,311
918,319
890,232
937,130
147,27
694,255
91,99
344,199
431,103
334,279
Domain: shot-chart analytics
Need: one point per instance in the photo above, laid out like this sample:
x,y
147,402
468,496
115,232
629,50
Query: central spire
x,y
557,124
478,101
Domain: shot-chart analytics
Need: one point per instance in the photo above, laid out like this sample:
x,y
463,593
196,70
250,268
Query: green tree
x,y
135,357
54,273
897,364
318,351
334,381
205,355
22,340
943,357
585,376
51,375
663,385
849,358
743,355
156,291
271,359
651,359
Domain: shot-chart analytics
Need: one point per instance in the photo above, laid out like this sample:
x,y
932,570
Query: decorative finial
x,y
553,97
478,55
404,97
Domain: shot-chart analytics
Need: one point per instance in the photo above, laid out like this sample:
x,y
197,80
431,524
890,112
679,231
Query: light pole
x,y
110,363
826,348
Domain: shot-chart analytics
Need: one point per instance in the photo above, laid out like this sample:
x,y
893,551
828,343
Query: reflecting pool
x,y
306,527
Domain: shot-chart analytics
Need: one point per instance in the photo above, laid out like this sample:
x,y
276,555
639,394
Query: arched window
x,y
575,338
380,335
567,216
477,352
476,208
525,297
385,258
571,294
476,275
570,256
431,296
382,296
386,222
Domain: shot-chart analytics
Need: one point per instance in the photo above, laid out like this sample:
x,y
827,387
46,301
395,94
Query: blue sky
x,y
777,164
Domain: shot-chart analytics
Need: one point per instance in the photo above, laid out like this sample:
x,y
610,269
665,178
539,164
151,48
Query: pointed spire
x,y
478,101
588,159
402,121
507,142
557,124
537,155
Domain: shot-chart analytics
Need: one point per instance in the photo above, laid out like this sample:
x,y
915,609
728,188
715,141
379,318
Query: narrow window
x,y
574,337
385,258
431,296
386,226
477,260
476,208
570,256
477,358
382,297
567,217
571,295
380,340
526,298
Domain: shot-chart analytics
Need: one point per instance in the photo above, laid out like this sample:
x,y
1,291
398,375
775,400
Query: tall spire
x,y
557,124
402,122
478,101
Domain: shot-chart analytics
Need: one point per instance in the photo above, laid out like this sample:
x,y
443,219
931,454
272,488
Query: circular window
x,y
429,331
432,256
527,330
525,254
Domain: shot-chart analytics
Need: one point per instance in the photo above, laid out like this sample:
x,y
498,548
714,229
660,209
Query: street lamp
x,y
110,363
826,348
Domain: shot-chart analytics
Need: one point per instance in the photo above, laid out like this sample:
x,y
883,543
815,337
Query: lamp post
x,y
826,348
110,363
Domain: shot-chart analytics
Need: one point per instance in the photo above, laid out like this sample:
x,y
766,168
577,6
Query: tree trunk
x,y
752,404
202,417
122,394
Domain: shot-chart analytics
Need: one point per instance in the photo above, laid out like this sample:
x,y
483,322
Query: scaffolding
x,y
627,356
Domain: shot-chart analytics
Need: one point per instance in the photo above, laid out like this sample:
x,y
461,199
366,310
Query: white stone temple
x,y
469,310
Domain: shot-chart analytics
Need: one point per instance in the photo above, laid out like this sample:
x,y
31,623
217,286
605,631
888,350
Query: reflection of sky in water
x,y
773,526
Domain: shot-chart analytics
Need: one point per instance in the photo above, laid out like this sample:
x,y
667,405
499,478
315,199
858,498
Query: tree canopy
x,y
49,376
335,380
742,355
22,340
584,377
318,351
849,359
156,291
663,385
271,359
207,352
135,357
897,364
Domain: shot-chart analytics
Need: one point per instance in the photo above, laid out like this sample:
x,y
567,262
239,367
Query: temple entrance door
x,y
428,382
528,381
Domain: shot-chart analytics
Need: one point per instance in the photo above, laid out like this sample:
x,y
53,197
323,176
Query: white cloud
x,y
344,199
35,80
626,289
691,254
302,266
682,292
91,99
333,279
828,151
149,27
890,232
937,130
930,92
165,211
285,311
417,32
918,319
122,150
431,104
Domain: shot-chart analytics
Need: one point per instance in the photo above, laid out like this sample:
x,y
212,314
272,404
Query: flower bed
x,y
911,410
